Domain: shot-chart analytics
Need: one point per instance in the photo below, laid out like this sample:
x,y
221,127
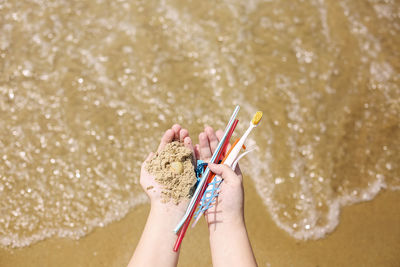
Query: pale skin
x,y
229,241
158,239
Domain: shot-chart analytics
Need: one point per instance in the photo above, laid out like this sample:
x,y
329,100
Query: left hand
x,y
151,187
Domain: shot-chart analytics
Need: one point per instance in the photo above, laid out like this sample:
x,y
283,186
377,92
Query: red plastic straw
x,y
203,189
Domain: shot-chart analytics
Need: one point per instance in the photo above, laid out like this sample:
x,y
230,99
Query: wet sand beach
x,y
88,87
369,235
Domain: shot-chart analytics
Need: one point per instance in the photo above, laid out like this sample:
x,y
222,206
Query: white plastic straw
x,y
207,171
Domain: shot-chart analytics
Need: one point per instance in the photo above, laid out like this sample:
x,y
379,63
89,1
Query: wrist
x,y
231,243
169,214
220,217
168,208
226,225
161,220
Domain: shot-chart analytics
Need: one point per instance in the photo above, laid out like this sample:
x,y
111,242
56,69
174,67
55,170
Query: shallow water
x,y
87,88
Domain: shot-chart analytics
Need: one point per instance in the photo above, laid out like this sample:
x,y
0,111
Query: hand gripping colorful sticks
x,y
231,159
209,180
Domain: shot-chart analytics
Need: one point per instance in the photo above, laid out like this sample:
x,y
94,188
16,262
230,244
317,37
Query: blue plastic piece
x,y
209,197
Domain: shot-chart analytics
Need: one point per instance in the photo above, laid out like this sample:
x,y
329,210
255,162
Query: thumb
x,y
147,159
225,172
151,154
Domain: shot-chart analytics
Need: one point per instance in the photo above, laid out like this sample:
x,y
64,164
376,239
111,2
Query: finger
x,y
212,138
205,151
219,135
225,172
197,151
238,171
143,170
167,138
188,143
151,154
176,128
183,133
148,158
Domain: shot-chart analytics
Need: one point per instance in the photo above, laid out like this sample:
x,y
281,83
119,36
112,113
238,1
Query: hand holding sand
x,y
168,175
167,205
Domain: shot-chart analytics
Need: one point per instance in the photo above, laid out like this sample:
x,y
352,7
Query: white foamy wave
x,y
15,240
306,225
78,122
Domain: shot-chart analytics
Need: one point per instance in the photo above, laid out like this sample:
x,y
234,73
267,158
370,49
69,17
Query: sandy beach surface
x,y
87,88
368,235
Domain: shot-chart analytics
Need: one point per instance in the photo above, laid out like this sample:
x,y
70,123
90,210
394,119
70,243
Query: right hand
x,y
229,205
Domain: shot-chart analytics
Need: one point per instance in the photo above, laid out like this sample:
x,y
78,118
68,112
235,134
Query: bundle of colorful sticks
x,y
207,187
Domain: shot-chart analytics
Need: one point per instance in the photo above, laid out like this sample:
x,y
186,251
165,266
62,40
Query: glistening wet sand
x,y
88,87
368,235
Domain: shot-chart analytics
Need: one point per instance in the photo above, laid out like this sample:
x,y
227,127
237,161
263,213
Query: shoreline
x,y
368,234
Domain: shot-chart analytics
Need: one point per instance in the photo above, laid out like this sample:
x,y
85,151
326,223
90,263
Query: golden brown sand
x,y
174,170
326,73
368,235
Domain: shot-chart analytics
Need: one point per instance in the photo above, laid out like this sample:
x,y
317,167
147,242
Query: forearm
x,y
230,245
157,241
